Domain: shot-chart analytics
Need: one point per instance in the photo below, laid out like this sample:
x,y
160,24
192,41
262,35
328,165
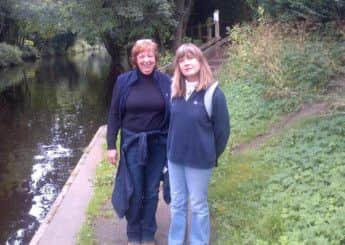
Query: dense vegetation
x,y
287,10
289,191
53,26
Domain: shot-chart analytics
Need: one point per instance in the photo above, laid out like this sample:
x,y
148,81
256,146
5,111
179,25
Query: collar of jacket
x,y
134,76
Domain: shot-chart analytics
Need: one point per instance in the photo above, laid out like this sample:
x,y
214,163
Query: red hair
x,y
142,45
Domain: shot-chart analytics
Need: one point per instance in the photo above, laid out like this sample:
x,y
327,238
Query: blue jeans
x,y
141,215
193,183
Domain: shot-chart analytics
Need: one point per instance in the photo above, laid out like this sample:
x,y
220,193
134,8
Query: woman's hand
x,y
112,156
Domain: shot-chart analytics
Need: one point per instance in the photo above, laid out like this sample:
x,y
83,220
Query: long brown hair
x,y
178,87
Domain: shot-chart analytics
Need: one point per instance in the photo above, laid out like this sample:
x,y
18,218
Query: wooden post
x,y
216,24
199,31
209,29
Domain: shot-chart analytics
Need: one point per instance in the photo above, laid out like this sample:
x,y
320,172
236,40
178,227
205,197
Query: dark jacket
x,y
123,185
119,97
195,139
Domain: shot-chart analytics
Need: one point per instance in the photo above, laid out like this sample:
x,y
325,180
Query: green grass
x,y
289,192
251,114
103,185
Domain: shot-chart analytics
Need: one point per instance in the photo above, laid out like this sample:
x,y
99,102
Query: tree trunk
x,y
118,54
183,10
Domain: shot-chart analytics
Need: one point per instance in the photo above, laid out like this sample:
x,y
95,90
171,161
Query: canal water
x,y
49,112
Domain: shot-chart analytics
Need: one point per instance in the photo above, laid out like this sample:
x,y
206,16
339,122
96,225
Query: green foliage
x,y
103,184
287,58
290,192
9,55
165,58
43,18
322,10
251,113
29,53
310,160
123,21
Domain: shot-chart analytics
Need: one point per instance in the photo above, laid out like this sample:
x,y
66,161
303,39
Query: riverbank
x,y
49,111
62,224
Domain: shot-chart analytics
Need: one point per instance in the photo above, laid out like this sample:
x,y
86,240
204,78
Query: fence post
x,y
200,31
216,24
209,26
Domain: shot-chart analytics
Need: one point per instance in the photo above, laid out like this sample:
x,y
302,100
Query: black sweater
x,y
157,119
144,106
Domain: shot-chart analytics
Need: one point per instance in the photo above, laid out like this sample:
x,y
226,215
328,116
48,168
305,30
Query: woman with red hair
x,y
140,107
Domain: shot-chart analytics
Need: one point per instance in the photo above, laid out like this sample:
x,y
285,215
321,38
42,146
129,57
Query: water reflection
x,y
47,116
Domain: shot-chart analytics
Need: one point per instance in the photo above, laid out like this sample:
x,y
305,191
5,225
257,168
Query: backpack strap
x,y
208,98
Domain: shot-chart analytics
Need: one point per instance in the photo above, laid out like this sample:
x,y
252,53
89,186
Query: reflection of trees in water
x,y
14,97
57,89
14,85
58,107
56,69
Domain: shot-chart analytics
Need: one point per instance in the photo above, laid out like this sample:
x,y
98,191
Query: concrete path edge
x,y
68,210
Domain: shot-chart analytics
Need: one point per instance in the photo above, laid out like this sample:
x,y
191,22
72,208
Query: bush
x,y
287,58
285,10
9,55
30,53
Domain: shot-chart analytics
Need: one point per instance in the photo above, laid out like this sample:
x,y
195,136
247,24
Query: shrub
x,y
9,55
29,53
285,10
285,57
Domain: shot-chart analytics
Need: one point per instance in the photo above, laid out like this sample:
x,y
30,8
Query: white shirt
x,y
190,87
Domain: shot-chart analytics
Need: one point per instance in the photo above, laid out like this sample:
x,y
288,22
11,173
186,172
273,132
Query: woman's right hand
x,y
112,156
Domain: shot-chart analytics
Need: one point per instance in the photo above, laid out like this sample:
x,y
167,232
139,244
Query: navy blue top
x,y
144,105
195,139
118,117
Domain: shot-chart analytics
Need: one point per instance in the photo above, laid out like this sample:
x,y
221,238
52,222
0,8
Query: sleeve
x,y
221,121
114,122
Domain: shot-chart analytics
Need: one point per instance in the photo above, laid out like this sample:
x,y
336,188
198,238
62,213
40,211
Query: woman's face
x,y
146,61
190,67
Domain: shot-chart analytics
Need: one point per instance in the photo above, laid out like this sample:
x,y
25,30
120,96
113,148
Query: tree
x,y
183,10
119,23
7,23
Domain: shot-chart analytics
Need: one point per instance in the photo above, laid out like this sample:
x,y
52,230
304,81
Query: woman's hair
x,y
142,45
178,87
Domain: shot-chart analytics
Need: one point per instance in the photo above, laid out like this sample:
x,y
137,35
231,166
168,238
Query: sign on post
x,y
216,23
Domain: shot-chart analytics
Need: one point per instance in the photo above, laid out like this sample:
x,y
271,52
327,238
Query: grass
x,y
289,191
252,114
102,192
